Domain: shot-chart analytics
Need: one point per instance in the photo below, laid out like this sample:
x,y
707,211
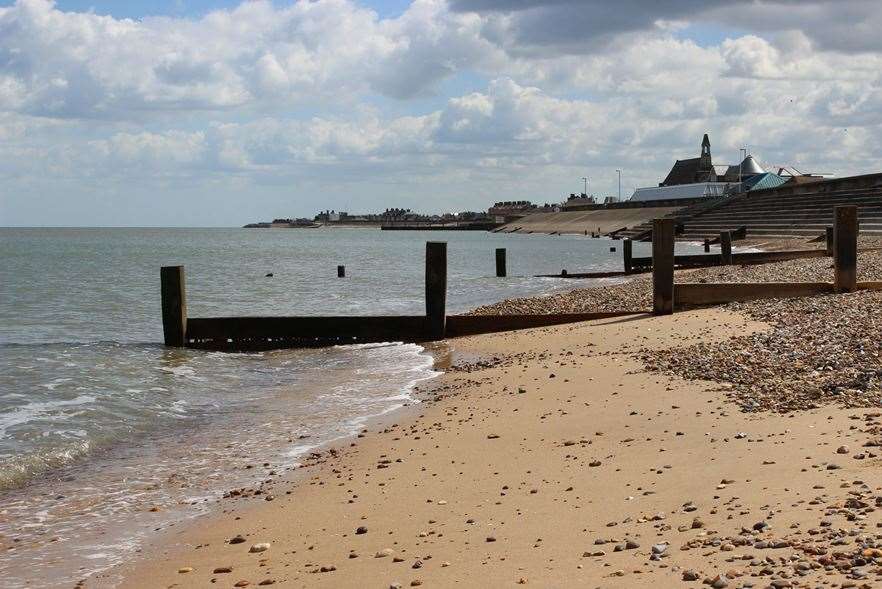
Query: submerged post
x,y
341,271
436,288
828,234
706,245
845,232
627,252
663,266
726,247
500,262
174,305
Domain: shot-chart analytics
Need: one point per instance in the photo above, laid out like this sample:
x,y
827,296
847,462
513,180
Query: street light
x,y
743,152
619,172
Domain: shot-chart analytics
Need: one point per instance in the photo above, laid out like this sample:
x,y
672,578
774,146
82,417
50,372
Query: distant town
x,y
690,181
498,214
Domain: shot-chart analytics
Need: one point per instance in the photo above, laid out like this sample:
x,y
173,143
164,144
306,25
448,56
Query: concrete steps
x,y
773,214
797,211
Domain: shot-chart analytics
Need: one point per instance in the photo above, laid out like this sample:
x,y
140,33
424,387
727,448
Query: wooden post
x,y
845,232
663,266
706,245
627,252
341,271
174,305
436,288
500,262
726,247
828,231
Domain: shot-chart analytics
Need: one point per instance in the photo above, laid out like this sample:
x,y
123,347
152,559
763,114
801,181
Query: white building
x,y
677,191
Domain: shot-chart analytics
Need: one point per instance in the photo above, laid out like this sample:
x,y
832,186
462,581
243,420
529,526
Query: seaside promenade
x,y
735,446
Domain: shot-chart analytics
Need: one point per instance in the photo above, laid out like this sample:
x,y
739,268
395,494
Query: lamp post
x,y
619,172
743,153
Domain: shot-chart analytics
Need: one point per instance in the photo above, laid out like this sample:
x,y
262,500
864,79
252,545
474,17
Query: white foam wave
x,y
31,411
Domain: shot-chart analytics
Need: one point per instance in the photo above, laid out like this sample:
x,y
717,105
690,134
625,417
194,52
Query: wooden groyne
x,y
844,251
259,333
263,333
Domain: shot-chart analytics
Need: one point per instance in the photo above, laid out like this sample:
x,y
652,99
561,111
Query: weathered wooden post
x,y
726,247
174,305
500,262
706,245
828,234
845,232
341,271
436,288
627,252
663,266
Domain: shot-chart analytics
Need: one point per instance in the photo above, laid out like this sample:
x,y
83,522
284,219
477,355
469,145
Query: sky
x,y
221,112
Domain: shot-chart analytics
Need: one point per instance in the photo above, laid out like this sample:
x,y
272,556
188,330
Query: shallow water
x,y
106,435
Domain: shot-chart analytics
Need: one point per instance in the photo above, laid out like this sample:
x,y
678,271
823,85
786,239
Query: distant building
x,y
698,178
681,191
738,172
693,170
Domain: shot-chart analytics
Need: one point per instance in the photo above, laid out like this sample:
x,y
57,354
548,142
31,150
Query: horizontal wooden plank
x,y
687,260
870,285
704,260
383,328
764,257
718,293
462,325
611,274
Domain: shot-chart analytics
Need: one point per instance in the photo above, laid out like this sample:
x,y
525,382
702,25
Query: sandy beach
x,y
563,457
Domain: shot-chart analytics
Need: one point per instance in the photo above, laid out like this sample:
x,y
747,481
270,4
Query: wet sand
x,y
556,461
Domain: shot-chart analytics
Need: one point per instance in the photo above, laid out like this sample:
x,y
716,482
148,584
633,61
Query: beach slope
x,y
551,458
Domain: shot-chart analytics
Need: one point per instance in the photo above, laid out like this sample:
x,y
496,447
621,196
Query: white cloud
x,y
319,98
62,64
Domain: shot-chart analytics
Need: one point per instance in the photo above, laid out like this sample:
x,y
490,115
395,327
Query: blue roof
x,y
761,181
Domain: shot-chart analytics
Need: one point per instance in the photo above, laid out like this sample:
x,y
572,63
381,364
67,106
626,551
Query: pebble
x,y
259,547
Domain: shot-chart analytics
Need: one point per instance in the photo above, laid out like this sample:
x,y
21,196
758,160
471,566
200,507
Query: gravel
x,y
820,350
823,349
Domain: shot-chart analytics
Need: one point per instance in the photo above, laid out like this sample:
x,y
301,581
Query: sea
x,y
107,436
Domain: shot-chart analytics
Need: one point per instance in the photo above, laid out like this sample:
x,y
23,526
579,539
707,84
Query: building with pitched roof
x,y
693,170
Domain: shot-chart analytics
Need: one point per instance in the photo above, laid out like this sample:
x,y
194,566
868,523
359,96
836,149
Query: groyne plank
x,y
436,287
694,294
845,234
173,292
705,260
380,328
663,266
611,274
463,325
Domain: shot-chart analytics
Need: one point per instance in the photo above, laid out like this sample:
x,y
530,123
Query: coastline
x,y
514,470
399,478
